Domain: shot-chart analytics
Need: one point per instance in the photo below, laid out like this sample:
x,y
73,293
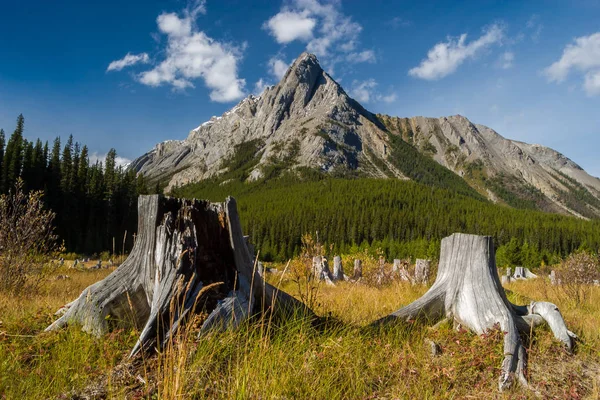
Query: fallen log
x,y
467,290
182,246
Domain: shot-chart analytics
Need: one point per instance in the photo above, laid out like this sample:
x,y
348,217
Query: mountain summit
x,y
307,121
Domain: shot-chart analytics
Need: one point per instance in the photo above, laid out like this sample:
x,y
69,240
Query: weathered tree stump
x,y
421,271
321,270
553,279
338,269
381,277
506,278
468,291
401,270
357,273
182,246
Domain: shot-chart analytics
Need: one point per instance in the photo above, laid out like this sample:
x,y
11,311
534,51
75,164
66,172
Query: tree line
x,y
93,202
399,218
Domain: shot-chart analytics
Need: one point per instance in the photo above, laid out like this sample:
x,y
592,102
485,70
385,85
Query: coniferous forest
x,y
93,202
400,218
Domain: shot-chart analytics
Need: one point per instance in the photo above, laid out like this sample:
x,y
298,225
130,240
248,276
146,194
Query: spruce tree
x,y
82,172
110,172
13,157
66,165
28,172
39,165
2,143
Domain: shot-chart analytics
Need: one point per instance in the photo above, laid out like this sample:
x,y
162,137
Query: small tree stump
x,y
519,273
422,271
357,274
321,270
381,278
395,268
338,270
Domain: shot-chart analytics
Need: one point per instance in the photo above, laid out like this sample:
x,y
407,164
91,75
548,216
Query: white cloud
x,y
592,83
507,59
363,56
444,58
260,86
278,67
320,24
128,61
365,92
119,161
582,55
390,98
288,26
190,55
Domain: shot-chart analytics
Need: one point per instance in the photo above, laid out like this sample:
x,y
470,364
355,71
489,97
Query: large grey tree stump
x,y
467,290
182,246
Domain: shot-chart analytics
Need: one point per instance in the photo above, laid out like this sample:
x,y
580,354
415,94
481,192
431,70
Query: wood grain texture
x,y
467,290
182,247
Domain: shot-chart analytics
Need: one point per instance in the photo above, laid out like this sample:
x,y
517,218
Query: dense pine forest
x,y
400,218
94,203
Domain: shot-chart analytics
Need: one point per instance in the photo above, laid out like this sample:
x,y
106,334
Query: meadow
x,y
340,358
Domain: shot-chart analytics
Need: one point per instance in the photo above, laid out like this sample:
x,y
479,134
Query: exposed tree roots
x,y
467,290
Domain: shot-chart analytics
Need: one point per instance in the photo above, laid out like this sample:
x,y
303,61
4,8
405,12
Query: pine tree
x,y
39,165
66,165
109,171
13,157
28,173
2,143
84,165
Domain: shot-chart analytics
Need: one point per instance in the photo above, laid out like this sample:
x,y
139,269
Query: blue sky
x,y
129,74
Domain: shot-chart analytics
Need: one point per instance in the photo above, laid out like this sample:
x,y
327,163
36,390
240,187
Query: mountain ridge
x,y
307,120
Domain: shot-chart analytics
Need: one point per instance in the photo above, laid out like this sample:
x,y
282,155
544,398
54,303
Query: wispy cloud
x,y
190,55
363,56
128,61
535,27
101,157
366,92
445,57
507,60
260,86
278,67
399,22
582,55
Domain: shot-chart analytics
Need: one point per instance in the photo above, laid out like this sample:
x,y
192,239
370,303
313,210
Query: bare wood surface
x,y
467,290
181,247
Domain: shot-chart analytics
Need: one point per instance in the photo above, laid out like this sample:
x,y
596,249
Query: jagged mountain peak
x,y
308,120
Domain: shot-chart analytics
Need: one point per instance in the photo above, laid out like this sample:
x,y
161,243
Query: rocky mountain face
x,y
308,122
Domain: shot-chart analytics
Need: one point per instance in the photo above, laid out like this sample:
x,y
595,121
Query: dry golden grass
x,y
338,359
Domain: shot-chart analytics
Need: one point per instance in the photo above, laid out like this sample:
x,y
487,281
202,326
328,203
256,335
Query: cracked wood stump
x,y
467,290
182,246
